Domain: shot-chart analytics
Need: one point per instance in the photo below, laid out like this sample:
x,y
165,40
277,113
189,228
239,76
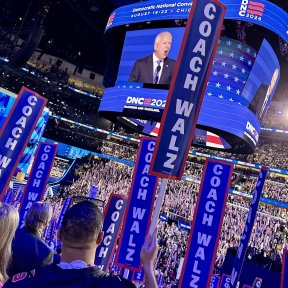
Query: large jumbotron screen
x,y
239,91
232,65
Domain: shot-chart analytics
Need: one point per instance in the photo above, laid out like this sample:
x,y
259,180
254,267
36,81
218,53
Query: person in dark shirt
x,y
81,233
29,251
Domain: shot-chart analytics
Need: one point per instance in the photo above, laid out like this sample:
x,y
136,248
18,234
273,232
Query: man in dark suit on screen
x,y
156,68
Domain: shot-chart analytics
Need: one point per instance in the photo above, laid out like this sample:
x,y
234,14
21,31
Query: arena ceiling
x,y
74,29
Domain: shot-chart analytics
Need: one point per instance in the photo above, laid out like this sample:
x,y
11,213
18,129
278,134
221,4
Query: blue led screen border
x,y
274,18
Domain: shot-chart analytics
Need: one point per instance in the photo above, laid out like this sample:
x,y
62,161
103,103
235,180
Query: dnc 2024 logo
x,y
145,101
251,9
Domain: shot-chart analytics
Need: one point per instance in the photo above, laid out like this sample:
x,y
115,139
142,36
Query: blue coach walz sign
x,y
113,216
206,226
187,88
16,133
139,208
38,178
241,252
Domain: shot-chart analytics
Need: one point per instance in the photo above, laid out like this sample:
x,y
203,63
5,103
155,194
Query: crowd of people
x,y
110,178
119,151
268,153
244,178
179,203
268,237
272,154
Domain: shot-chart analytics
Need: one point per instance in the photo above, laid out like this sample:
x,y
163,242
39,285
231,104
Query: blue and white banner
x,y
115,270
139,276
257,283
284,272
160,279
163,218
183,225
215,281
139,208
126,273
65,207
93,192
206,226
225,281
50,232
38,178
240,257
187,88
113,216
7,196
16,132
13,197
19,196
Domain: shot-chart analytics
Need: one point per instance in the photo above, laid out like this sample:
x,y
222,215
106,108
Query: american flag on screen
x,y
213,140
231,67
155,131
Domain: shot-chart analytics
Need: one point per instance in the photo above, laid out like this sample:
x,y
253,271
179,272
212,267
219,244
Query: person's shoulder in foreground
x,y
81,233
36,253
54,276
